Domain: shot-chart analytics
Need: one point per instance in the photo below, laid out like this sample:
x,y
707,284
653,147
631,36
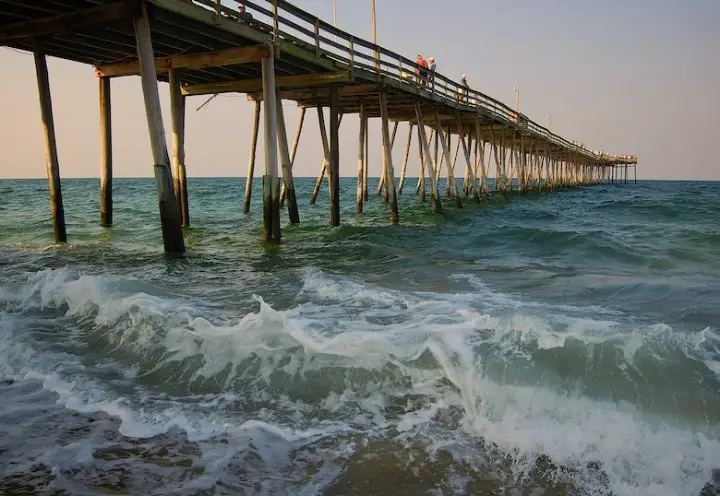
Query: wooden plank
x,y
255,85
71,21
205,60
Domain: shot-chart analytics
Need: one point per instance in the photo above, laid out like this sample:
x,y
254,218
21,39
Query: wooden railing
x,y
287,22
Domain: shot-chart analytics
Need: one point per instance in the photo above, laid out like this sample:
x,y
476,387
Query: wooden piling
x,y
366,155
421,179
470,170
293,149
286,164
428,158
448,164
271,187
405,159
326,154
361,161
251,159
387,146
177,111
51,158
334,165
169,214
106,155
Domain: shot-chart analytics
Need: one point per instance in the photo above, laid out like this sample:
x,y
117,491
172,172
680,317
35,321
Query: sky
x,y
628,77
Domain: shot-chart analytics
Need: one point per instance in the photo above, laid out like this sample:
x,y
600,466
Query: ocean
x,y
550,344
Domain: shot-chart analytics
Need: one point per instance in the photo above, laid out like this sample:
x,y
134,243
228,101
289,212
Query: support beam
x,y
326,154
251,159
51,158
177,112
334,165
255,85
106,155
448,164
361,161
428,158
405,158
70,22
387,146
286,161
293,149
271,188
169,214
205,60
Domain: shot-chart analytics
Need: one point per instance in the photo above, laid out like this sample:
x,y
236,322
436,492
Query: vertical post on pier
x,y
334,165
626,173
293,150
367,158
405,159
286,165
271,187
251,159
361,161
326,155
428,158
421,154
51,157
106,156
169,213
177,110
635,172
448,164
470,170
387,146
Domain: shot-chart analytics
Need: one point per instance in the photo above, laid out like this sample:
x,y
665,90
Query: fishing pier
x,y
273,51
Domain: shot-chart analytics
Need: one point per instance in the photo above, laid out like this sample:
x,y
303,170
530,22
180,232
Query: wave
x,y
574,384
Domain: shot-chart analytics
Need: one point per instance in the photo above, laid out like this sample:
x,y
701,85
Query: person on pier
x,y
422,68
462,95
431,72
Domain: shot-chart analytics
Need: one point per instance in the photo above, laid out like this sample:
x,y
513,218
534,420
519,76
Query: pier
x,y
273,51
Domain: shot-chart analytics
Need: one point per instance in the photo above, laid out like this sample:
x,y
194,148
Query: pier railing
x,y
286,22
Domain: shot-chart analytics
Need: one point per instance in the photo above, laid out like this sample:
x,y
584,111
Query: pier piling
x,y
286,164
334,163
387,146
106,154
251,159
169,215
51,157
177,112
271,187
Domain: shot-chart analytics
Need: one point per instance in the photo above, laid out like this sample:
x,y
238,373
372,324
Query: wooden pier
x,y
274,51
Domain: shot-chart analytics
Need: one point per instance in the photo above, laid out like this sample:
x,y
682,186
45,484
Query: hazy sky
x,y
638,76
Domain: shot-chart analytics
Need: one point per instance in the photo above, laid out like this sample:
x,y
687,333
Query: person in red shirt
x,y
422,67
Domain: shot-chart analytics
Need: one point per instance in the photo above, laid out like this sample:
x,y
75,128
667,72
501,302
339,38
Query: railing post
x,y
317,37
275,19
352,52
217,8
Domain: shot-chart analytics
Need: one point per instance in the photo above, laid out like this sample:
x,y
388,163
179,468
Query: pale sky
x,y
628,77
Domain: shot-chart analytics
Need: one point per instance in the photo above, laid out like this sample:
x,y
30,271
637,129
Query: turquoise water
x,y
564,343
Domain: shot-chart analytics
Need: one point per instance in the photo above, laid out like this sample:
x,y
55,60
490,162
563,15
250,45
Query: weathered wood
x,y
293,149
361,162
448,164
367,158
251,159
169,215
70,22
286,161
470,169
205,60
381,182
326,154
387,146
177,112
51,158
271,187
405,159
334,163
428,158
421,179
106,155
255,85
